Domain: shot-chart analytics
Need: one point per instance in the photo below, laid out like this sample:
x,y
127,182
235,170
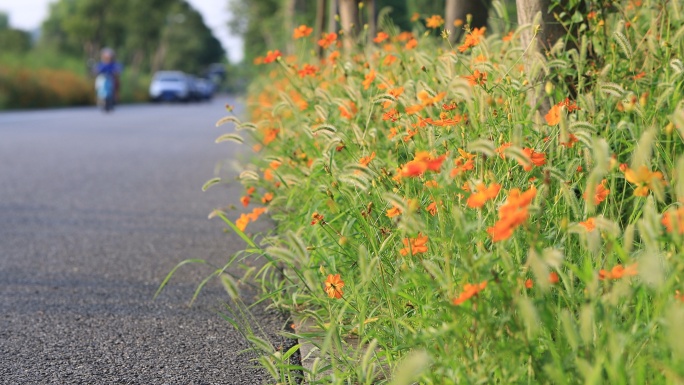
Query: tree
x,y
12,40
349,18
4,21
550,30
554,24
147,35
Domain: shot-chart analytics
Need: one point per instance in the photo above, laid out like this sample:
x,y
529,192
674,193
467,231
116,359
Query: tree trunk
x,y
549,32
321,6
332,12
349,18
372,20
459,10
289,11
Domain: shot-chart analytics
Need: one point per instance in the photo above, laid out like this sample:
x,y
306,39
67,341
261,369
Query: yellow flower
x,y
643,179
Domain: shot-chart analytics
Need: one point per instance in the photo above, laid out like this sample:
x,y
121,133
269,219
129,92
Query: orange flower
x,y
679,296
333,56
427,100
618,272
348,113
461,167
392,115
367,159
553,278
316,217
529,284
535,159
674,220
501,149
380,37
393,212
327,39
415,16
434,21
245,200
472,39
333,286
432,208
415,245
411,44
600,194
271,56
396,92
508,37
302,31
368,80
254,215
410,110
389,59
639,75
267,197
512,214
469,291
431,183
270,135
644,179
307,70
477,78
268,174
554,115
483,194
421,163
241,223
572,139
589,224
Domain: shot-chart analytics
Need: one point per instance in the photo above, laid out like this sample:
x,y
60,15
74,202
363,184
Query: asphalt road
x,y
95,210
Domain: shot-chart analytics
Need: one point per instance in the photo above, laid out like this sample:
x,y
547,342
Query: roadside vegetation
x,y
480,212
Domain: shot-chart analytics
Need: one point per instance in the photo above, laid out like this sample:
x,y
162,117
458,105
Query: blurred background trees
x,y
147,35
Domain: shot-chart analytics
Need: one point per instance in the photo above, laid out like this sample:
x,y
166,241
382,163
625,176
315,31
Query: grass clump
x,y
426,209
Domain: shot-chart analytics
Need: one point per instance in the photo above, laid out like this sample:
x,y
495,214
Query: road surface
x,y
95,209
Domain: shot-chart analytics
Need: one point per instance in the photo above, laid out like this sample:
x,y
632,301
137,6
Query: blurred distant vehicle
x,y
206,88
195,88
172,86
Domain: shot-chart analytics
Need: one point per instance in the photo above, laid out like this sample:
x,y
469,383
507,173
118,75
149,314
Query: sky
x,y
29,14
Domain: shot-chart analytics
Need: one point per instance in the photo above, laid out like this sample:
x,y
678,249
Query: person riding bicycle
x,y
108,66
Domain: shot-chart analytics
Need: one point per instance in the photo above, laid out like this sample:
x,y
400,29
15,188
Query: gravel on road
x,y
95,209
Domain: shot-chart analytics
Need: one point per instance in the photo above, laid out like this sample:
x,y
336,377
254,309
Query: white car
x,y
170,86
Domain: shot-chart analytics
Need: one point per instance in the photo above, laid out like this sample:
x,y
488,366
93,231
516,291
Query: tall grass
x,y
425,208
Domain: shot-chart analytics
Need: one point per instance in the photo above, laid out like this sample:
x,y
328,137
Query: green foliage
x,y
14,40
148,36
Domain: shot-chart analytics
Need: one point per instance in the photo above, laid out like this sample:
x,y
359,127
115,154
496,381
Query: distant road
x,y
95,209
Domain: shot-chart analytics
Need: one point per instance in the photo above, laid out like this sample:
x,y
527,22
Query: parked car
x,y
171,86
